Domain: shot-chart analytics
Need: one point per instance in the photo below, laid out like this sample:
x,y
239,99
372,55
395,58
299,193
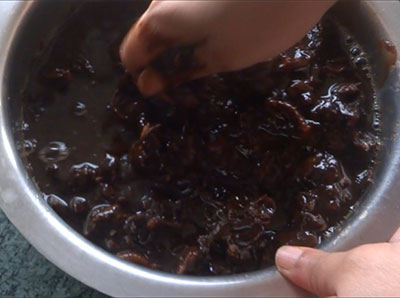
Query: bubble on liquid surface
x,y
27,147
79,109
355,51
54,152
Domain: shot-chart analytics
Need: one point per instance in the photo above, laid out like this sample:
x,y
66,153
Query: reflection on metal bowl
x,y
24,24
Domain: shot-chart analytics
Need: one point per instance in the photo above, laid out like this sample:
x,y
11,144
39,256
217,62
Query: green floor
x,y
26,273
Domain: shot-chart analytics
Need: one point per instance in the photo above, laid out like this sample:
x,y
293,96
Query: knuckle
x,y
315,281
154,20
317,277
144,27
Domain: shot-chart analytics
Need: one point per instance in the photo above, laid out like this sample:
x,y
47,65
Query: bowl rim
x,y
51,236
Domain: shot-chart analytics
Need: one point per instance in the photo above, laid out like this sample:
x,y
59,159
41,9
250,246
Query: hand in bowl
x,y
176,41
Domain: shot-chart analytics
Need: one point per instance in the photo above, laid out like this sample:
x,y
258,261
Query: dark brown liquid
x,y
213,183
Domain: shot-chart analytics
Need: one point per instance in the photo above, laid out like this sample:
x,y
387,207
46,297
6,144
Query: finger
x,y
395,237
310,269
175,66
151,82
143,43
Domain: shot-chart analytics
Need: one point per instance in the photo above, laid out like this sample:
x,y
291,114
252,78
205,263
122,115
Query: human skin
x,y
230,35
224,35
371,270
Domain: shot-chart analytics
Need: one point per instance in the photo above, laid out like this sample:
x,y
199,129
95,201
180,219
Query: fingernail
x,y
287,256
150,82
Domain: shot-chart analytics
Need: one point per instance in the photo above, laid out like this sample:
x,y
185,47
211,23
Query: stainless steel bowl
x,y
25,23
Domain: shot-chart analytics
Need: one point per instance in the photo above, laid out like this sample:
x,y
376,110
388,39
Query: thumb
x,y
311,269
395,237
